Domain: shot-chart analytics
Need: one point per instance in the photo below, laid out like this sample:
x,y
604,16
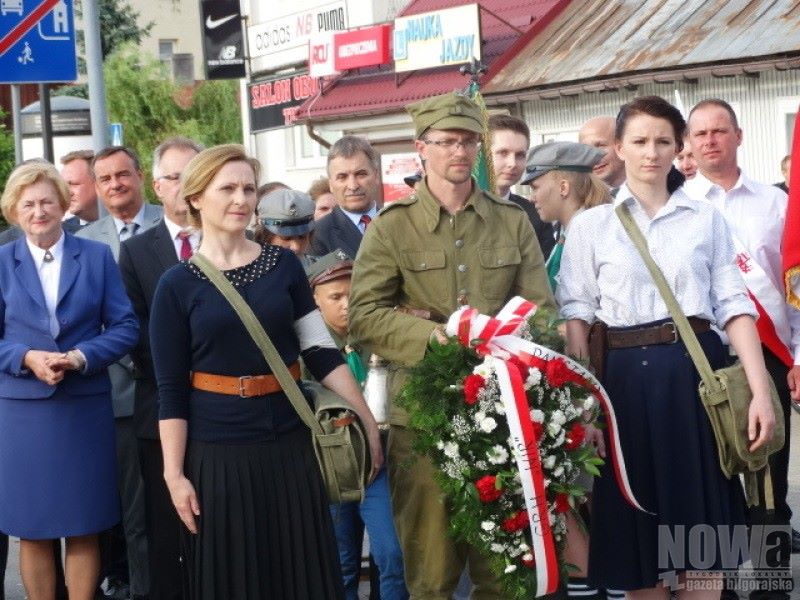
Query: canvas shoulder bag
x,y
337,434
725,393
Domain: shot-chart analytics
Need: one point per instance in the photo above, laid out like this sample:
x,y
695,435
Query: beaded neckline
x,y
241,276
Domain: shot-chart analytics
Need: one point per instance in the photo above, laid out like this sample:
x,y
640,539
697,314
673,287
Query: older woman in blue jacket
x,y
64,317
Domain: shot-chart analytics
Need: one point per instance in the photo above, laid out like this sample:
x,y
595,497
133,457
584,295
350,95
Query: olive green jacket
x,y
415,254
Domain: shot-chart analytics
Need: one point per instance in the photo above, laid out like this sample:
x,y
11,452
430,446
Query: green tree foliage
x,y
6,158
151,107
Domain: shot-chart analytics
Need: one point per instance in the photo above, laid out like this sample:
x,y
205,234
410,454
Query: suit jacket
x,y
336,230
70,225
93,311
121,373
544,231
142,260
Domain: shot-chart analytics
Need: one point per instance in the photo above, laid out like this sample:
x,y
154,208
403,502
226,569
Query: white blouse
x,y
49,276
602,276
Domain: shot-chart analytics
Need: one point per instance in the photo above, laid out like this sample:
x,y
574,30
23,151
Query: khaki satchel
x,y
337,434
725,393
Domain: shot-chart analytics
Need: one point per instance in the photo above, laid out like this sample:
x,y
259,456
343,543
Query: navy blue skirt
x,y
673,467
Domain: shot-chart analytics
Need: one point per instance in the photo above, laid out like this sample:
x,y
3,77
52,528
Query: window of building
x,y
166,48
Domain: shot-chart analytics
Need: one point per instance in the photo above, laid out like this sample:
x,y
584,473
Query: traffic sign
x,y
37,41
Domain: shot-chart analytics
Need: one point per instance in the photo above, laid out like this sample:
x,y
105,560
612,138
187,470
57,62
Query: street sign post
x,y
37,41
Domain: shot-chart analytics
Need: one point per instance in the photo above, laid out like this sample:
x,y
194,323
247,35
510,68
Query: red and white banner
x,y
498,338
791,230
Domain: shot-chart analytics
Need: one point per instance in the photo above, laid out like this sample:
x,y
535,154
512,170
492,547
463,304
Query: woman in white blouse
x,y
666,438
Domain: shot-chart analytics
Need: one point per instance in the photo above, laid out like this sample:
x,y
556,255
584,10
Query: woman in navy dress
x,y
64,317
668,443
238,461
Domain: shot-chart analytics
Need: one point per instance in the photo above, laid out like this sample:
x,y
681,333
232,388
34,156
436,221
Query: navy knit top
x,y
194,328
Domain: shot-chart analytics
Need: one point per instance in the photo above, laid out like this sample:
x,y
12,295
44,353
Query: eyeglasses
x,y
171,177
451,144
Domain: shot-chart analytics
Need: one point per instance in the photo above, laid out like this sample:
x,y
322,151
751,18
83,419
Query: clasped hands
x,y
50,367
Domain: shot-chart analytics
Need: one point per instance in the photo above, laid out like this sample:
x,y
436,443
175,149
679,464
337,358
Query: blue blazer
x,y
93,311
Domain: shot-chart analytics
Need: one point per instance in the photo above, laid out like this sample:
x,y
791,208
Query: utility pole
x,y
94,68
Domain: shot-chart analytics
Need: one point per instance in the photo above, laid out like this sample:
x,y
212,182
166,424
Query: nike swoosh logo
x,y
212,24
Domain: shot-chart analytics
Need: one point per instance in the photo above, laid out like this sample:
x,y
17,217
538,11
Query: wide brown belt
x,y
245,386
666,333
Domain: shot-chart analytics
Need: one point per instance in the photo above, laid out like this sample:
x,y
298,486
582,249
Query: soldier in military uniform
x,y
447,245
286,218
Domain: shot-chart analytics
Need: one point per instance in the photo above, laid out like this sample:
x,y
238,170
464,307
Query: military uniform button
x,y
459,243
462,292
499,261
423,265
462,268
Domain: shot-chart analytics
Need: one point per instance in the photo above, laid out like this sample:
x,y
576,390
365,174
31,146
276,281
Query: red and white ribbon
x,y
497,336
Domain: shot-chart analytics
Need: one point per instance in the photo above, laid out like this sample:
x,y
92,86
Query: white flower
x,y
497,455
588,404
524,547
479,416
451,449
488,424
511,568
559,471
558,417
484,369
440,445
534,378
500,408
487,525
549,462
537,415
553,428
498,548
527,557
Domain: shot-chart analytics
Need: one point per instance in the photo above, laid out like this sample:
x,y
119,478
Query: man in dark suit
x,y
118,180
510,140
142,260
354,176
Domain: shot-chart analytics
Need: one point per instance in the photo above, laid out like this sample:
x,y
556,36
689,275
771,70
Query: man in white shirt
x,y
142,260
755,214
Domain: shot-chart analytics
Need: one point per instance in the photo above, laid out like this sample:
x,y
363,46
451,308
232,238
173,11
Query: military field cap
x,y
563,156
329,267
286,212
412,180
448,111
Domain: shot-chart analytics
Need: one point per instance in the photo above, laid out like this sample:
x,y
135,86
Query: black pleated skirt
x,y
673,468
264,529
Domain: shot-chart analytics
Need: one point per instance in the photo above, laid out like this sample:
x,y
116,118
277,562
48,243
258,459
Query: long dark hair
x,y
655,106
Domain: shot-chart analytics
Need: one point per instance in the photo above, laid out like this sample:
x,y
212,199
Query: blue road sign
x,y
37,41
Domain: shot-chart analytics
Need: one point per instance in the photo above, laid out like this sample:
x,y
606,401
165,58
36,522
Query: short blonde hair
x,y
27,174
202,169
588,188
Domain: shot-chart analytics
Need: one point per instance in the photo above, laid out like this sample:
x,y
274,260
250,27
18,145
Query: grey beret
x,y
286,212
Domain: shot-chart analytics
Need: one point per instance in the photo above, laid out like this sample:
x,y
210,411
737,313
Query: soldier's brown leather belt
x,y
245,386
666,333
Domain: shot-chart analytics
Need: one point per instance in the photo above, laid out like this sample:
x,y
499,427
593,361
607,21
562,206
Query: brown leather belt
x,y
666,333
245,386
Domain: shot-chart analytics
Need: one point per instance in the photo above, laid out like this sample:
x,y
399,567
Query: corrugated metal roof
x,y
373,91
596,39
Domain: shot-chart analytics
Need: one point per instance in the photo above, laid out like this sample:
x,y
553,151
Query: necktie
x,y
364,221
128,231
186,245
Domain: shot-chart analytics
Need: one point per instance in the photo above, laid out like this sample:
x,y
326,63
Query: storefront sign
x,y
223,41
444,37
362,47
394,169
295,30
321,54
274,102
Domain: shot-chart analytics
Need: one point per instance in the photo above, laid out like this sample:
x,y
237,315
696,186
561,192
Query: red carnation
x,y
558,373
515,523
528,562
538,430
487,489
575,436
473,384
562,503
521,367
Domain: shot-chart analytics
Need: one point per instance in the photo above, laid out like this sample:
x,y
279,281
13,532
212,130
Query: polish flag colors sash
x,y
773,322
497,337
790,247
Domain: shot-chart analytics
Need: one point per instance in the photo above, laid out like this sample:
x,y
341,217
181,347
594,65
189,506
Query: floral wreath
x,y
503,417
